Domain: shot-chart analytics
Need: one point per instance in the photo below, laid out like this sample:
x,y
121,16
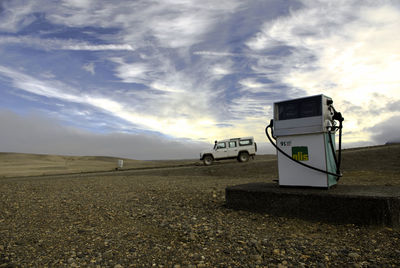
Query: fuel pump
x,y
304,130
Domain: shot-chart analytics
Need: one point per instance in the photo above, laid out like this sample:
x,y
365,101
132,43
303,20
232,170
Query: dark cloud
x,y
394,106
387,131
39,134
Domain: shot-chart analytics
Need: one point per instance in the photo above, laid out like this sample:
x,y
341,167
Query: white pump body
x,y
302,128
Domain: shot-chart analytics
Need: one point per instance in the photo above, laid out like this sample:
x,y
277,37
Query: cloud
x,y
184,98
78,3
218,54
39,134
89,68
386,131
15,15
182,123
135,72
350,54
89,47
223,68
49,89
256,85
172,24
62,44
177,97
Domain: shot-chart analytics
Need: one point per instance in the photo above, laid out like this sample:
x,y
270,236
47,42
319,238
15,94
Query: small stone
x,y
108,254
196,257
118,266
276,251
70,260
257,258
192,236
253,242
354,255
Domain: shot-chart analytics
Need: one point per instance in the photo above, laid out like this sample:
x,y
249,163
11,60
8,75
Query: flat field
x,y
172,214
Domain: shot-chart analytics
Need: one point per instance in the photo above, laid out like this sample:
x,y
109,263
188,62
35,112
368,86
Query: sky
x,y
163,79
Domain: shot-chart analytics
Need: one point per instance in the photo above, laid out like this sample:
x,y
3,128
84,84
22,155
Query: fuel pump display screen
x,y
300,108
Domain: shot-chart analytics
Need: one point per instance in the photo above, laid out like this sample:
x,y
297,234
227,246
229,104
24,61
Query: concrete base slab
x,y
358,204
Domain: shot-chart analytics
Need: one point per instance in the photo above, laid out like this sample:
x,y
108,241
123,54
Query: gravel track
x,y
171,217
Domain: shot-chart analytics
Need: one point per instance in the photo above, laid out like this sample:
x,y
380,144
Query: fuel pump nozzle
x,y
338,117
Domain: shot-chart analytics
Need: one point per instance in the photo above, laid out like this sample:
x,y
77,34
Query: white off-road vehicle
x,y
239,148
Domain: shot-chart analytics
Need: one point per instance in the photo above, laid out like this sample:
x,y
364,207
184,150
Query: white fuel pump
x,y
304,130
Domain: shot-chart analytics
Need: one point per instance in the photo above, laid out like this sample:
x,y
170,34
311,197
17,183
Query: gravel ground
x,y
171,218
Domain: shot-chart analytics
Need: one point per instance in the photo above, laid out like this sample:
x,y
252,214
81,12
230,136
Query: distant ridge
x,y
27,164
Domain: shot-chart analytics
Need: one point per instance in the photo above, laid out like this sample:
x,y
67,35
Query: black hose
x,y
340,142
288,156
338,116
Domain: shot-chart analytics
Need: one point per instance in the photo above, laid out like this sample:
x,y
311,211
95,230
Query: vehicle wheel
x,y
243,157
207,160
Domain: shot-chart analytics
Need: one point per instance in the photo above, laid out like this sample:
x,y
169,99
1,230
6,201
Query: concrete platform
x,y
364,205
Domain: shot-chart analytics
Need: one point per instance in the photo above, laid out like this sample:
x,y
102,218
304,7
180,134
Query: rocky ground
x,y
174,217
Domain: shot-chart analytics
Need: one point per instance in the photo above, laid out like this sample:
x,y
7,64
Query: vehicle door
x,y
221,150
232,148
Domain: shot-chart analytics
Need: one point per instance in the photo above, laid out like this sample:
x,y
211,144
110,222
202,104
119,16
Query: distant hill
x,y
19,164
384,158
392,142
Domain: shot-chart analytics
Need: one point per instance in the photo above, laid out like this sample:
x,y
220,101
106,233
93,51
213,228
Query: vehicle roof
x,y
234,139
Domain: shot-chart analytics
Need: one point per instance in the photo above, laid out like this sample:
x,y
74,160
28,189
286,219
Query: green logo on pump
x,y
300,153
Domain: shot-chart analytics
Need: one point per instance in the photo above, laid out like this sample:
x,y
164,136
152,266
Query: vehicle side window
x,y
245,142
232,144
221,145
